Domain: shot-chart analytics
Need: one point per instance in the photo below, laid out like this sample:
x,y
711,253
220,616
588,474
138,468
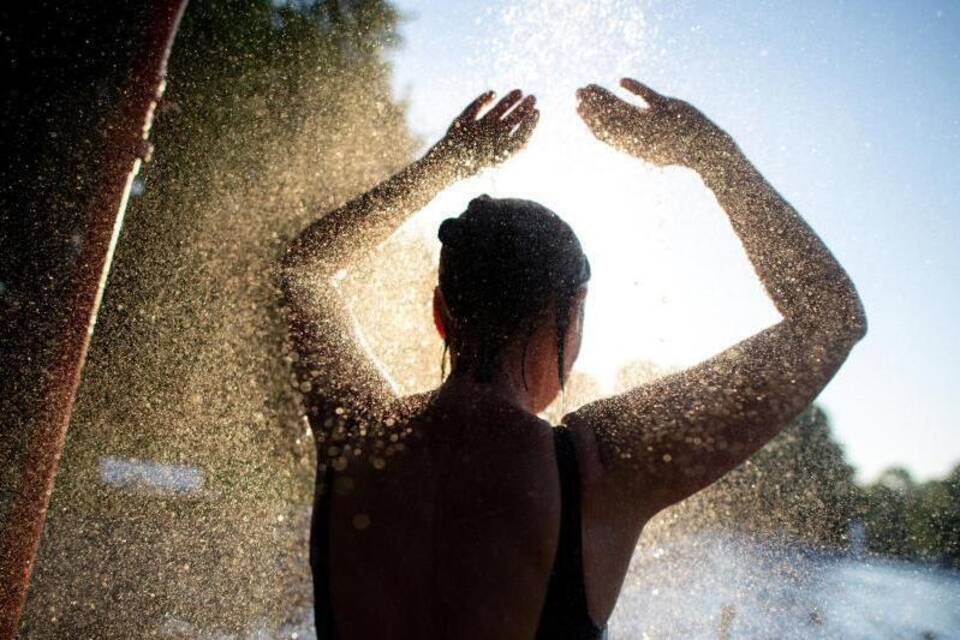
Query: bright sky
x,y
852,110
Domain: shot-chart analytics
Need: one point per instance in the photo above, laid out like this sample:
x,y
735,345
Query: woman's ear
x,y
438,313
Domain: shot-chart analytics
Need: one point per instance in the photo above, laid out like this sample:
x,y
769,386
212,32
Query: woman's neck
x,y
502,385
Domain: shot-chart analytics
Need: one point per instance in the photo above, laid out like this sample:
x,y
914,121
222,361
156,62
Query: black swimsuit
x,y
564,615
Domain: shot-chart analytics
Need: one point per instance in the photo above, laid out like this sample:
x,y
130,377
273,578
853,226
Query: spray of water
x,y
183,501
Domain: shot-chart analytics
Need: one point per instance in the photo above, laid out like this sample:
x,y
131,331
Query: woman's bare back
x,y
454,535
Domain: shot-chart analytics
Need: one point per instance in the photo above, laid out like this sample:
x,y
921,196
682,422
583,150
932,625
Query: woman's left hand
x,y
474,143
668,131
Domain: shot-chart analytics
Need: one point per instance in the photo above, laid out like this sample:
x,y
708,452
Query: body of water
x,y
720,586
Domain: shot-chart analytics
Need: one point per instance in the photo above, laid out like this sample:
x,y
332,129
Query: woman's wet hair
x,y
503,263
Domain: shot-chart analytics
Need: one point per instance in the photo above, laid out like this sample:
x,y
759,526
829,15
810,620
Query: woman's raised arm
x,y
662,442
333,370
471,143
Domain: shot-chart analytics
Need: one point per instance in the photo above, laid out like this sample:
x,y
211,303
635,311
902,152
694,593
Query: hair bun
x,y
451,232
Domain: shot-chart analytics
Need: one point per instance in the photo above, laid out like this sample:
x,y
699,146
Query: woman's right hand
x,y
669,131
474,143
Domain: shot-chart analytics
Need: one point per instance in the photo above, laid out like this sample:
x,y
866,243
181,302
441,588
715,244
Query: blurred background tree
x,y
799,488
910,520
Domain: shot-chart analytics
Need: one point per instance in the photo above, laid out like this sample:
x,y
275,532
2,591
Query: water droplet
x,y
361,521
343,485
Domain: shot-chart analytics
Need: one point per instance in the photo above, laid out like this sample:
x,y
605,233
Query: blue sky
x,y
852,110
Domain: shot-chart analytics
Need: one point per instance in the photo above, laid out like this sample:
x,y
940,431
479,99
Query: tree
x,y
913,521
885,514
948,518
799,486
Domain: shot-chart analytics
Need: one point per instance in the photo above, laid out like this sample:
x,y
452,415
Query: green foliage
x,y
799,485
913,521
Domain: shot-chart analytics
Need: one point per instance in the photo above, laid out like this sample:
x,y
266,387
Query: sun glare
x,y
671,284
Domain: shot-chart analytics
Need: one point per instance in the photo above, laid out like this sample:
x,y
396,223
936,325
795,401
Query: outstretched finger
x,y
524,131
473,109
594,96
520,112
504,105
649,96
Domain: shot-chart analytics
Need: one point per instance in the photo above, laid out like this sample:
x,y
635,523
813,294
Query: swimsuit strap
x,y
320,557
565,615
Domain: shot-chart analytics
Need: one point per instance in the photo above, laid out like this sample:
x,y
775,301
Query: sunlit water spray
x,y
182,504
671,284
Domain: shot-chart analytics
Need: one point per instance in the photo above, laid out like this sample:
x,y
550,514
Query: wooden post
x,y
125,148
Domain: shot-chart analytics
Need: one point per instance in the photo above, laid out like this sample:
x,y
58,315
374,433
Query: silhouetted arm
x,y
666,440
334,372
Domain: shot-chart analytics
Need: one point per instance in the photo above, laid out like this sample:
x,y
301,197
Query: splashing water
x,y
663,254
182,506
183,499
